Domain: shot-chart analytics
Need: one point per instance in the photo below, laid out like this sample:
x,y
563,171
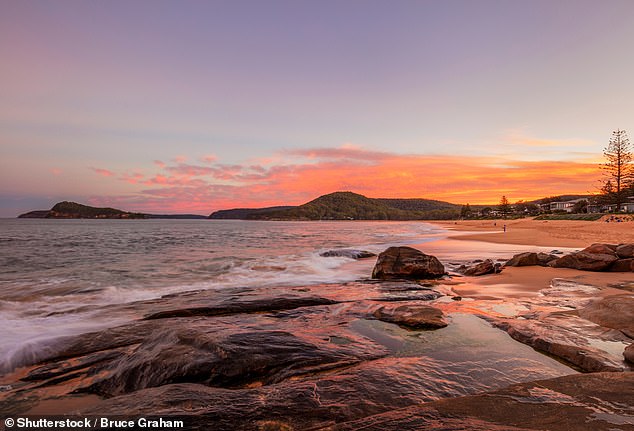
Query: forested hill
x,y
349,206
74,210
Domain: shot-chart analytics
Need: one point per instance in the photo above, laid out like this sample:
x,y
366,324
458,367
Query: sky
x,y
193,106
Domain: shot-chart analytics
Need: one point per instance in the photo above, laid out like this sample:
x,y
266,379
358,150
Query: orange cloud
x,y
313,172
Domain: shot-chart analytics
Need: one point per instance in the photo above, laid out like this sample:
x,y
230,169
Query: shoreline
x,y
539,233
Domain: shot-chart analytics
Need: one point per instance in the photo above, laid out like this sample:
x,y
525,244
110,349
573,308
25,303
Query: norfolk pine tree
x,y
618,169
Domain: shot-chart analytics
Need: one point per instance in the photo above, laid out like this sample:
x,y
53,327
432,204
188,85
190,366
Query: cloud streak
x,y
301,175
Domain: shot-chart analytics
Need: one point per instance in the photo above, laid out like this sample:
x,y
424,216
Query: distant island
x,y
73,210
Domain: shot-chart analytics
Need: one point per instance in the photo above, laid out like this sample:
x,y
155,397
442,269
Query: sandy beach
x,y
548,233
517,282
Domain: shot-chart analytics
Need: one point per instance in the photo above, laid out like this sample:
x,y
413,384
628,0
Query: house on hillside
x,y
566,206
611,208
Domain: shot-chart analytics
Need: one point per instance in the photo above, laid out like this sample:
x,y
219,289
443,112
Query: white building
x,y
564,205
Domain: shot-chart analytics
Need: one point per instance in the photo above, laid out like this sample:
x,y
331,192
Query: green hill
x,y
349,206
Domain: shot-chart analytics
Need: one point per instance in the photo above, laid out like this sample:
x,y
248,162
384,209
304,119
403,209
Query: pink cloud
x,y
133,178
103,172
209,158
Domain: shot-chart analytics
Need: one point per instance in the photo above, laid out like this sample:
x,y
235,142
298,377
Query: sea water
x,y
56,274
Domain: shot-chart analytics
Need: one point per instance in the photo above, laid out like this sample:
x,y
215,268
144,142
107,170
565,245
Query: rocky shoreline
x,y
399,352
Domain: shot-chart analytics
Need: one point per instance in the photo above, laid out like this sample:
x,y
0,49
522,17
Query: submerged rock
x,y
412,316
407,262
349,253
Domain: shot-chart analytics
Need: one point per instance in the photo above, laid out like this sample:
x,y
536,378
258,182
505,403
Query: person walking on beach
x,y
504,228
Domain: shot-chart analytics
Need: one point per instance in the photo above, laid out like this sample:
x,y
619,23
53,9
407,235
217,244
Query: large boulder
x,y
623,265
585,261
482,268
599,248
407,262
412,316
530,259
625,251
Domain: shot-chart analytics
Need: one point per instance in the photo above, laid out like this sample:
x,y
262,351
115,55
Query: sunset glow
x,y
199,106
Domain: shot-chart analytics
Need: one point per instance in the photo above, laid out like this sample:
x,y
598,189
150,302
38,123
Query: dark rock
x,y
235,307
64,367
625,251
407,262
585,261
349,253
616,312
623,265
580,402
556,252
412,316
531,259
628,354
599,248
199,352
486,267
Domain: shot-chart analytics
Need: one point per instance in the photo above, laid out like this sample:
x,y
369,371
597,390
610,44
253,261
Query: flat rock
x,y
580,402
199,351
585,261
412,316
569,338
349,253
244,306
407,262
616,312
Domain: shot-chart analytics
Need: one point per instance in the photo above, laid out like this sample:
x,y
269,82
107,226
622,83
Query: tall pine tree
x,y
618,169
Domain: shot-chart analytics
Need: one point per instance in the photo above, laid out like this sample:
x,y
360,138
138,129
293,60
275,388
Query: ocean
x,y
57,277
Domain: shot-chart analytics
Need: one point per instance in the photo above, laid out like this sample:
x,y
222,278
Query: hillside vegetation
x,y
349,206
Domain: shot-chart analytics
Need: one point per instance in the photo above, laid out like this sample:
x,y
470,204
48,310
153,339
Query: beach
x,y
551,233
